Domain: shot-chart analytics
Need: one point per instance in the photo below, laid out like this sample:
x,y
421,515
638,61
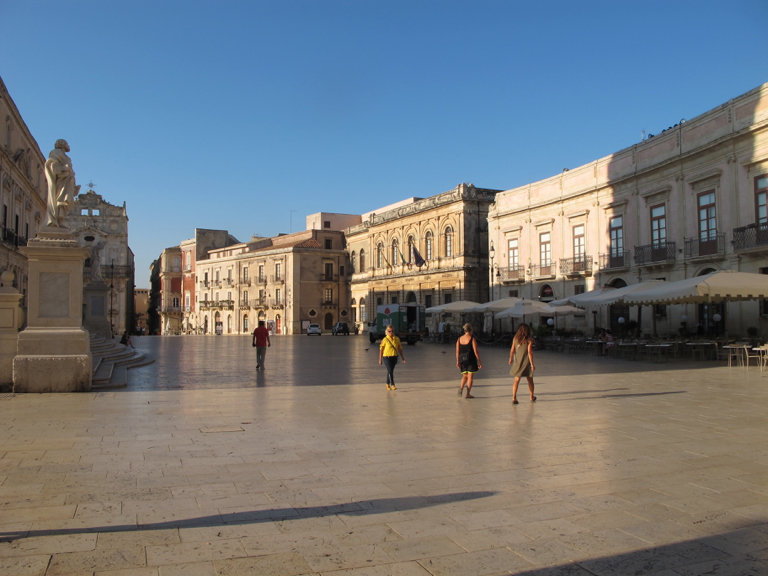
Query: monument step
x,y
119,379
103,373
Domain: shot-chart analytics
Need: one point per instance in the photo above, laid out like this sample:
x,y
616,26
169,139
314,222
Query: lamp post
x,y
491,254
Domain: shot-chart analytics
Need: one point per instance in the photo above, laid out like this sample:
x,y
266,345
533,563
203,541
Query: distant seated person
x,y
607,342
126,340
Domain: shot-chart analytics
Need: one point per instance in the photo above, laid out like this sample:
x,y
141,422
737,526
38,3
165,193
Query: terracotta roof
x,y
310,243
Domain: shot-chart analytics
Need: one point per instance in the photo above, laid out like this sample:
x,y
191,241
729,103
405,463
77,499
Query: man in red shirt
x,y
261,342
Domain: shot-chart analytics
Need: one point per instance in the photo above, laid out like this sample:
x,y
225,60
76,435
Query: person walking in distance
x,y
521,358
388,351
261,342
467,359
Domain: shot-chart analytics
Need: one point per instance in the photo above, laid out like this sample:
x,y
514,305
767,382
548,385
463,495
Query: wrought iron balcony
x,y
515,273
229,282
329,277
13,238
543,270
276,304
245,282
274,279
205,283
615,259
579,266
258,303
713,245
655,253
752,236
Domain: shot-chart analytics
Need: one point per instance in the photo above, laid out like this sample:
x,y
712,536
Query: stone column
x,y
11,321
54,350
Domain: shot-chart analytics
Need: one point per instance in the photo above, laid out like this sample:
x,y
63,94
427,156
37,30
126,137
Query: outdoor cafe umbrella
x,y
720,286
497,305
562,310
525,308
458,306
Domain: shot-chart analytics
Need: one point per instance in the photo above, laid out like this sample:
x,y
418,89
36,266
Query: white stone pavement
x,y
619,468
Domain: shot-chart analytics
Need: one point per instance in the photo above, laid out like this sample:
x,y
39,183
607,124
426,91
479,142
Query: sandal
x,y
469,396
533,399
515,402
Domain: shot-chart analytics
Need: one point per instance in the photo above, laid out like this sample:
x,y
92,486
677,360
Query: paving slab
x,y
202,465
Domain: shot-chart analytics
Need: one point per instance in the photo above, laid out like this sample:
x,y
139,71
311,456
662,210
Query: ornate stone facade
x,y
680,204
23,189
95,222
449,231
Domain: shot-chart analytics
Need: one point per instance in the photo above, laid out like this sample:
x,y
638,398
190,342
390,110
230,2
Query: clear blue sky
x,y
232,114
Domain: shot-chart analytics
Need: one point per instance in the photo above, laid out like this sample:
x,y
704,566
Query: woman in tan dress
x,y
521,358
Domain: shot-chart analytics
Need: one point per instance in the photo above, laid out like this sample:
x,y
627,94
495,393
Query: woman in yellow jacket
x,y
388,351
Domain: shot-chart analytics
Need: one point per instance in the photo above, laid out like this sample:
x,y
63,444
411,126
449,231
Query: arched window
x,y
394,252
428,246
380,256
411,245
448,242
354,262
362,260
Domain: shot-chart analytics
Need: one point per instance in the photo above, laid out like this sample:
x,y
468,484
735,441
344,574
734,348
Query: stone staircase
x,y
111,362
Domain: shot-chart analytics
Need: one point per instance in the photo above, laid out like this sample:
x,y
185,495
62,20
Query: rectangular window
x,y
261,297
278,296
261,272
245,274
327,224
328,294
393,300
328,244
278,270
616,231
578,289
341,271
658,225
514,293
761,190
579,239
513,253
329,271
378,301
545,253
245,296
428,301
186,300
447,298
707,223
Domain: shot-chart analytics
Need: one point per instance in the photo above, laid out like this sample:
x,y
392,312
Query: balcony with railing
x,y
578,266
751,237
244,304
712,245
275,279
276,304
515,273
246,281
543,270
205,283
329,277
11,237
170,309
229,282
658,253
260,280
615,259
258,302
204,304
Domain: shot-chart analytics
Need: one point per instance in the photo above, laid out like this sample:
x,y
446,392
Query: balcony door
x,y
707,224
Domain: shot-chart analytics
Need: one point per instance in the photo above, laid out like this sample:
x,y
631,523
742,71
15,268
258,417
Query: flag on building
x,y
417,257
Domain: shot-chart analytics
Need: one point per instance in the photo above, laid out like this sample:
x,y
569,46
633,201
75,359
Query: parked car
x,y
314,329
340,328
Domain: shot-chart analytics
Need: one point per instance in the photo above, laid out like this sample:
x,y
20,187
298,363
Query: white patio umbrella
x,y
497,305
720,286
563,310
458,306
577,299
525,308
606,297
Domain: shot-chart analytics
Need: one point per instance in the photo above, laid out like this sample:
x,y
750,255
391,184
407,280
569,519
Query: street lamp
x,y
491,254
111,296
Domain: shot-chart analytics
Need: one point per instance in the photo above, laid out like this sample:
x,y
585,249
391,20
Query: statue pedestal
x,y
11,319
96,303
54,350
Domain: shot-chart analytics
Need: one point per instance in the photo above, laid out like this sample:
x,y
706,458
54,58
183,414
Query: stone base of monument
x,y
53,360
95,318
54,353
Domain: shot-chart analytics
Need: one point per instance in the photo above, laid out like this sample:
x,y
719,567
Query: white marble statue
x,y
96,262
61,183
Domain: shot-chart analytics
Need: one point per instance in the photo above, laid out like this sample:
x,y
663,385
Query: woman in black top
x,y
467,359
